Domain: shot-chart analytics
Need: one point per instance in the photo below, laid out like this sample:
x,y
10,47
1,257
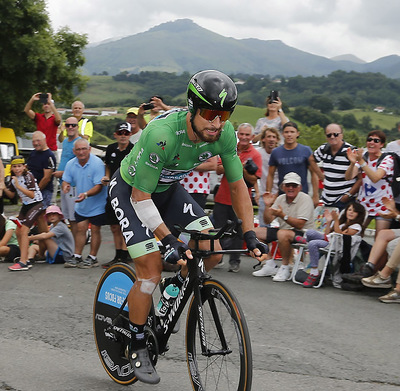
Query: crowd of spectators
x,y
279,173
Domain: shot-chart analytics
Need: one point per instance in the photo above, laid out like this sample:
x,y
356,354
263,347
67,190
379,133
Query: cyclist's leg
x,y
178,207
143,249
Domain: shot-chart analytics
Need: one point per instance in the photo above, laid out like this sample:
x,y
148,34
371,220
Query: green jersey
x,y
164,154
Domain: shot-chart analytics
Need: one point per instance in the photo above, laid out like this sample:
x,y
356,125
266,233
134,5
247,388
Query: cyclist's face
x,y
209,131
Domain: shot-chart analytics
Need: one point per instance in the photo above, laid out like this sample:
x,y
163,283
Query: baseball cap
x,y
134,110
291,177
54,209
123,126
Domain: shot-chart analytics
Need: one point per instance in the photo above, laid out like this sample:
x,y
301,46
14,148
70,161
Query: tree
x,y
321,103
35,59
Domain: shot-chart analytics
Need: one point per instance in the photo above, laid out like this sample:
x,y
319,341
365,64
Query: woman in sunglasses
x,y
375,177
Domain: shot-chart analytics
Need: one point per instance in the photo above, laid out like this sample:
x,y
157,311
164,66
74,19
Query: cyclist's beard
x,y
205,136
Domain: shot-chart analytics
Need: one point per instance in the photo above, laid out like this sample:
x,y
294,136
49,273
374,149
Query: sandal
x,y
143,367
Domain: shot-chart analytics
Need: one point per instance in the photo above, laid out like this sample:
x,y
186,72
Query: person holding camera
x,y
274,116
48,121
223,210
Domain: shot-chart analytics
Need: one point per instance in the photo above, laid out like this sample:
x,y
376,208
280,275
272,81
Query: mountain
x,y
348,57
183,45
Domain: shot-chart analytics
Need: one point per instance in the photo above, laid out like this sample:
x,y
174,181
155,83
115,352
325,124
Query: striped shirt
x,y
334,166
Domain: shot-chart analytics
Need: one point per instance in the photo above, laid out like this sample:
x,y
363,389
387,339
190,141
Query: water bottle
x,y
167,298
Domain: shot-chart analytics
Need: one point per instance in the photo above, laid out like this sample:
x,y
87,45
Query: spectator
x,y
47,122
59,241
294,211
337,191
85,125
274,118
115,153
375,179
24,183
9,248
42,164
158,108
2,185
293,157
223,209
197,183
134,117
86,171
350,223
68,199
270,138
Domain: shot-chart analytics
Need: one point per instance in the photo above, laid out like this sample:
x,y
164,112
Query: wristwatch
x,y
286,218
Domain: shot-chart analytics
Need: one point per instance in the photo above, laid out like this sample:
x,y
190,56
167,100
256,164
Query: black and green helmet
x,y
211,90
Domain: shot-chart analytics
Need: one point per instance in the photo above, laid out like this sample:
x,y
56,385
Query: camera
x,y
250,166
273,95
43,98
148,106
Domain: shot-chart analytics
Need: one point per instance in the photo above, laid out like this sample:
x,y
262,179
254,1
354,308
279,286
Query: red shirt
x,y
49,127
223,195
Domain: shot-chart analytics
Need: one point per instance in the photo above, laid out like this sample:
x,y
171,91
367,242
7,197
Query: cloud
x,y
365,28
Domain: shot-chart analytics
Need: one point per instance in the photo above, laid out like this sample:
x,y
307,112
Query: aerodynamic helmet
x,y
211,90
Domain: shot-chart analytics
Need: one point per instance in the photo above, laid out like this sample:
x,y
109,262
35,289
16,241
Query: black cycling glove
x,y
174,249
253,243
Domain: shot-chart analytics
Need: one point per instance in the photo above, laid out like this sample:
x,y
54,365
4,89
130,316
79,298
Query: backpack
x,y
395,181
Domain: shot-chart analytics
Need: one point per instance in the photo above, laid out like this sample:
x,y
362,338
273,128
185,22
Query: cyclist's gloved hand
x,y
174,249
253,243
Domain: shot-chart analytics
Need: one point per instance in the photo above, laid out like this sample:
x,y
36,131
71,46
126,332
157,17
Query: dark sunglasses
x,y
375,140
329,135
71,125
294,185
210,115
122,132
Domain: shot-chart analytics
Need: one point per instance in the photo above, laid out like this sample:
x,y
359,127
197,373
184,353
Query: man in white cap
x,y
294,211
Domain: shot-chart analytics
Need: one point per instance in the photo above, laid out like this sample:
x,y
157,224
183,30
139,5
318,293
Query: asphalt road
x,y
302,339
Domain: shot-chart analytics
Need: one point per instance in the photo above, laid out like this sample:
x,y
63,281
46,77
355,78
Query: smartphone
x,y
274,95
43,98
148,106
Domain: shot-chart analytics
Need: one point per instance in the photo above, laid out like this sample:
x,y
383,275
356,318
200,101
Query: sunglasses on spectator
x,y
375,140
122,132
329,135
71,125
210,115
294,185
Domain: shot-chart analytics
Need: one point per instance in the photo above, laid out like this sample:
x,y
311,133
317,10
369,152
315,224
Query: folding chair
x,y
320,225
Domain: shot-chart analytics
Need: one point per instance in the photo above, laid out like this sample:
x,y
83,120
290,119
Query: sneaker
x,y
70,264
266,271
283,274
110,263
376,281
392,297
39,259
220,264
367,270
143,367
311,281
299,239
29,264
18,266
88,263
234,268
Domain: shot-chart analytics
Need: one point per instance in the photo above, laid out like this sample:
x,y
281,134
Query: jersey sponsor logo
x,y
179,132
162,144
188,208
171,176
222,95
150,165
205,156
149,247
186,145
154,158
132,170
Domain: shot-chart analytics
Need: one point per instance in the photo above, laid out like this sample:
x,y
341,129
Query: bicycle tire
x,y
222,372
112,289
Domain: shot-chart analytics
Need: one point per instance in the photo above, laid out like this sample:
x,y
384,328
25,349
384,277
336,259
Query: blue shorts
x,y
58,257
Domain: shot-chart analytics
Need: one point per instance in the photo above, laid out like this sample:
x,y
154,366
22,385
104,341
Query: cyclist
x,y
148,200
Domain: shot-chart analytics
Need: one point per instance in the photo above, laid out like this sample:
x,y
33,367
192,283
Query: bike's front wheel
x,y
227,362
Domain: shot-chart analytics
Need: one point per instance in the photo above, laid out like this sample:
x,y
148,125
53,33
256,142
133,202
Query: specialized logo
x,y
162,144
188,208
205,156
154,158
222,95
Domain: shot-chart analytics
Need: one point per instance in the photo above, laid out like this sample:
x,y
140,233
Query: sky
x,y
368,29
